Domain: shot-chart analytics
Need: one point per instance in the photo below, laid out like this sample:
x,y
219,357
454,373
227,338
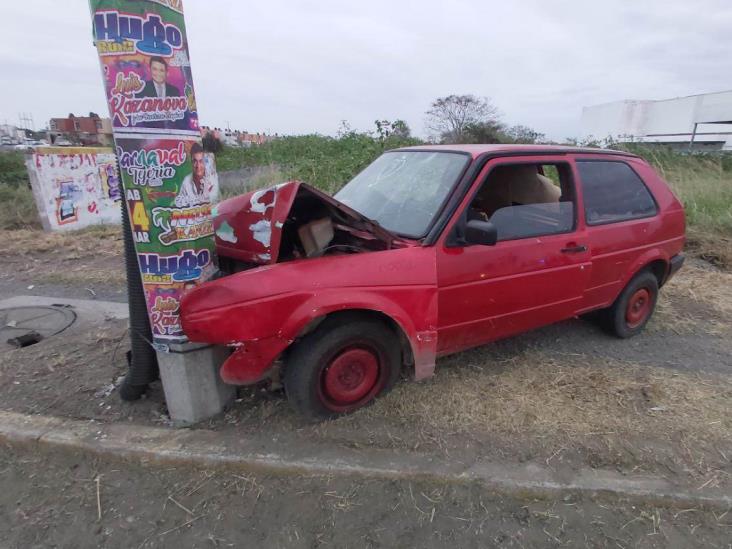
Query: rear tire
x,y
634,306
343,366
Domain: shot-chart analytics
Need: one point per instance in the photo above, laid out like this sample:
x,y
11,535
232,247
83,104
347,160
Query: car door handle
x,y
574,249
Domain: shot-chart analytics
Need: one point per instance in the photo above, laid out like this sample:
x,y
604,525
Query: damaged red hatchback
x,y
427,252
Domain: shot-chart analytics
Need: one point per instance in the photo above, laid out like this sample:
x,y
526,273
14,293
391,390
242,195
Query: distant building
x,y
85,130
701,122
237,138
11,135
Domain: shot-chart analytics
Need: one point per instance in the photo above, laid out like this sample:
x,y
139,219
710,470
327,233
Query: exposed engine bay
x,y
287,222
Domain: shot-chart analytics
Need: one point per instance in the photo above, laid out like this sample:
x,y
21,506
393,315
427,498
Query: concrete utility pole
x,y
146,70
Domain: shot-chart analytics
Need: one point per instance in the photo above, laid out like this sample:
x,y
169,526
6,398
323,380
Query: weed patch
x,y
324,162
17,208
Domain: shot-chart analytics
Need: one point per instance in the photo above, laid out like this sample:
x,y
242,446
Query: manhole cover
x,y
17,322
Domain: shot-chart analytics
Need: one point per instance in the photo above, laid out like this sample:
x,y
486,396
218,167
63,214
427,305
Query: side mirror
x,y
479,232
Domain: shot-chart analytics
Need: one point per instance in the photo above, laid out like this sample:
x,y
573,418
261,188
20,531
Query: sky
x,y
301,67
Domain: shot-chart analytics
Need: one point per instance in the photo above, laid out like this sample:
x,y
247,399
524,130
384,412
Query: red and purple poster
x,y
147,72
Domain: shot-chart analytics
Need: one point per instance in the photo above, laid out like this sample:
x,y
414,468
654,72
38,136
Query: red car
x,y
430,251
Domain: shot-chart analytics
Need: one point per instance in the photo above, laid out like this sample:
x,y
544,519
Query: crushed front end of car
x,y
291,222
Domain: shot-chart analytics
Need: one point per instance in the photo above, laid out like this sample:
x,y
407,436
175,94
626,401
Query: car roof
x,y
476,150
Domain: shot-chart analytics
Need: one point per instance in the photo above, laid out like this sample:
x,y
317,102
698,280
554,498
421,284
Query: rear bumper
x,y
674,265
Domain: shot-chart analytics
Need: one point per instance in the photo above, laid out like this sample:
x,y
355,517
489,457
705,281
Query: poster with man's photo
x,y
145,65
170,185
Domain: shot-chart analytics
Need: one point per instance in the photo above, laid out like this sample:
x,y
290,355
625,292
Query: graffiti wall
x,y
77,187
74,187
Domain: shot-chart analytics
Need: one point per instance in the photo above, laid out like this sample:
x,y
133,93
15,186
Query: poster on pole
x,y
169,186
143,49
168,181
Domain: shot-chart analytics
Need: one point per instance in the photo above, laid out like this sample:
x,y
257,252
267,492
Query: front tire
x,y
341,367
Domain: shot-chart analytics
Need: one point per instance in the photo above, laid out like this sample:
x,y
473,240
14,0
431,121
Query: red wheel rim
x,y
639,306
350,379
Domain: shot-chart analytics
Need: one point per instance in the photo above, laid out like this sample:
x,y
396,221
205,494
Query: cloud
x,y
301,67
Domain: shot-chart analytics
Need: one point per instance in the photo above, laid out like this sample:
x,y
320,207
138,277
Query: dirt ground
x,y
566,396
72,501
79,265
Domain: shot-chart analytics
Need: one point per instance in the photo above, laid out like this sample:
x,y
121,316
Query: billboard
x,y
74,187
143,53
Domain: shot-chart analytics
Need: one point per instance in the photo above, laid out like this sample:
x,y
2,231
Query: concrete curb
x,y
87,308
208,449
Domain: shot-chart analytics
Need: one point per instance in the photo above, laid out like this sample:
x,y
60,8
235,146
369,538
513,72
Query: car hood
x,y
249,227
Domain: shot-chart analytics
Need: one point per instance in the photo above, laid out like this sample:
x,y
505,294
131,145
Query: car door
x,y
622,222
534,275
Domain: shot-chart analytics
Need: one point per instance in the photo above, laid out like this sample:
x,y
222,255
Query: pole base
x,y
130,393
193,388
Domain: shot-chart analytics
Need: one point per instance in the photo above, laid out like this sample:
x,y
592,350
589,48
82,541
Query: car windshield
x,y
403,190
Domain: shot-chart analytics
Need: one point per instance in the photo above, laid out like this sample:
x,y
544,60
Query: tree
x,y
524,134
483,132
344,129
449,117
212,144
386,129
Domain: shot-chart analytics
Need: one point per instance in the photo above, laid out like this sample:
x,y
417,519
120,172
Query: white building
x,y
704,121
9,134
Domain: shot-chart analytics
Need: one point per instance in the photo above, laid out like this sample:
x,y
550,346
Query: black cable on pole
x,y
142,358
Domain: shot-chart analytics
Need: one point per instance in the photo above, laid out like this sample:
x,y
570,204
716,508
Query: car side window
x,y
613,192
526,200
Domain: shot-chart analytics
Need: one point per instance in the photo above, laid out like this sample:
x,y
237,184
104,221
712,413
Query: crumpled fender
x,y
422,339
262,311
253,360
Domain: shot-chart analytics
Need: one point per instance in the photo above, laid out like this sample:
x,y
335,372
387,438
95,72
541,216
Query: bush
x,y
12,169
17,208
324,162
212,144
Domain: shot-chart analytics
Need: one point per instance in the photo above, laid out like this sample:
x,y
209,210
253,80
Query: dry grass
x,y
537,395
82,276
90,256
105,240
712,247
574,394
577,410
695,296
614,413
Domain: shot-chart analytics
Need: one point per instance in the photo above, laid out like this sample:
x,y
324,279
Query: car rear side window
x,y
613,192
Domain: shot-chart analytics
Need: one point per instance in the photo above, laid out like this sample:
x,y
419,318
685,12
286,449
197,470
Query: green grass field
x,y
702,182
324,162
